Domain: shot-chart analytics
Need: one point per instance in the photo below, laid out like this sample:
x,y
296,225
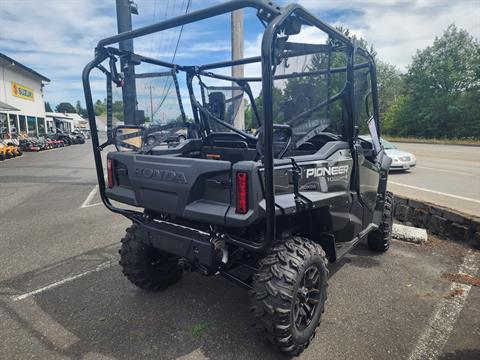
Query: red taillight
x,y
110,173
242,192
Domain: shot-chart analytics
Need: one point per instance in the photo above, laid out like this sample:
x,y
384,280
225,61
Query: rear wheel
x,y
379,240
289,293
145,266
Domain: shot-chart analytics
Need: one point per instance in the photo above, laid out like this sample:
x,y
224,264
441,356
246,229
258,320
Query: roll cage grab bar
x,y
273,17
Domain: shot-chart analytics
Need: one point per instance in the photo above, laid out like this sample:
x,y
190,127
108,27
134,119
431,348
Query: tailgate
x,y
190,188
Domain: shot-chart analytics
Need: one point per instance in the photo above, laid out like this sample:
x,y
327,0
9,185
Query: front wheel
x,y
289,293
181,138
145,266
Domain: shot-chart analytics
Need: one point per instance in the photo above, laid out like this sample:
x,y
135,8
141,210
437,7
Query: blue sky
x,y
57,38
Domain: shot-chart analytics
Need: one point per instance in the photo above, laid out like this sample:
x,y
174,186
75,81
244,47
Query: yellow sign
x,y
22,92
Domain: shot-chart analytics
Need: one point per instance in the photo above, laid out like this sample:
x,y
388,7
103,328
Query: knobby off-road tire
x,y
379,240
147,267
292,274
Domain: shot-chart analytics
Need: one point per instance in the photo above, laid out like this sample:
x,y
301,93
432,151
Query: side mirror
x,y
292,26
129,138
372,128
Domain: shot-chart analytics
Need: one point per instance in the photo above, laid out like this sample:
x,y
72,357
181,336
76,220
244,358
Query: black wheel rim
x,y
307,298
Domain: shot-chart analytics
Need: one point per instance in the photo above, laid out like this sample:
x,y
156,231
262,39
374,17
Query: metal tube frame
x,y
273,17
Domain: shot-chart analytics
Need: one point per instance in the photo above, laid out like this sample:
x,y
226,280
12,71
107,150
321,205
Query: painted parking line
x,y
433,339
89,198
435,192
91,195
98,268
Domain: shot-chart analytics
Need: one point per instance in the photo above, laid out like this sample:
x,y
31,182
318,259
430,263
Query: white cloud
x,y
57,37
398,28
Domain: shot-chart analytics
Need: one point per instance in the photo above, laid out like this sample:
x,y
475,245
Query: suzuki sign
x,y
22,92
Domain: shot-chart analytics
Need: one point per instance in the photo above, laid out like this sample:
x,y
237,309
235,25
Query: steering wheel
x,y
260,139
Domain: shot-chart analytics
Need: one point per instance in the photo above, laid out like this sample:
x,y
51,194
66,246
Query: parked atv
x,y
30,145
16,150
78,137
53,140
8,151
268,209
4,152
60,135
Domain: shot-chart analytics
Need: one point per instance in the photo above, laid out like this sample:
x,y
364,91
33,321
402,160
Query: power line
x,y
176,47
173,59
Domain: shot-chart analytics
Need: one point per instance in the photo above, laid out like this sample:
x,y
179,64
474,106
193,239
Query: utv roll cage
x,y
276,19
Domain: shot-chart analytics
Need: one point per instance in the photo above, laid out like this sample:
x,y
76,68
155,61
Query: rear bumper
x,y
185,242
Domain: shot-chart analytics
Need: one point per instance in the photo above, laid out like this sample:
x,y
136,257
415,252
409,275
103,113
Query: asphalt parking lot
x,y
62,294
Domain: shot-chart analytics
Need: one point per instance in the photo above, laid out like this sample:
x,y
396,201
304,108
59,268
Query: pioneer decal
x,y
326,171
161,175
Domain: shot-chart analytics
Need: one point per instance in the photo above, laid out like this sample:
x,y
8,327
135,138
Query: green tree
x,y
48,108
390,88
442,86
65,107
100,107
117,109
80,110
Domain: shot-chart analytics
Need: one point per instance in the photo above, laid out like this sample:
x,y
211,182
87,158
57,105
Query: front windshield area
x,y
310,90
307,94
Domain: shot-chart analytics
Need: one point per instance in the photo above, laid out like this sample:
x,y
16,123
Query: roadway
x,y
446,175
62,294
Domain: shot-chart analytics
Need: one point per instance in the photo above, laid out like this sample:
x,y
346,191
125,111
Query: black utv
x,y
266,197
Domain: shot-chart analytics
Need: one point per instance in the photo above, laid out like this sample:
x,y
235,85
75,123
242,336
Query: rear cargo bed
x,y
185,187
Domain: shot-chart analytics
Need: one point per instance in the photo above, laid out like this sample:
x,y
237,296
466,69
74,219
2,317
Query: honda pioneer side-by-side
x,y
267,201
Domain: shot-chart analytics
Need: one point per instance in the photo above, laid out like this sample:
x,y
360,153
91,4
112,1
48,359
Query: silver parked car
x,y
401,160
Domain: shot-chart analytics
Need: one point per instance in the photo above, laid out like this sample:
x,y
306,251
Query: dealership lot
x,y
62,294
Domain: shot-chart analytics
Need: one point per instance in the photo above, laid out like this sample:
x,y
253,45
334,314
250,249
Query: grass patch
x,y
469,142
198,329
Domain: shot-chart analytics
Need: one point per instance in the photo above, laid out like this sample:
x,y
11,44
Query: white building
x,y
22,104
65,121
62,121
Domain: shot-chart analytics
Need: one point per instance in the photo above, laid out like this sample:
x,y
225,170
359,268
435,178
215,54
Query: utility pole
x,y
151,104
125,9
237,71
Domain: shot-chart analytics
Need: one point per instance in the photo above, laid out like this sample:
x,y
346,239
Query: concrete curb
x,y
438,220
409,234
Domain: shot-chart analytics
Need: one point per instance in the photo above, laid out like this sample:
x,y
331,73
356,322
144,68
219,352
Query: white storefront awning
x,y
6,107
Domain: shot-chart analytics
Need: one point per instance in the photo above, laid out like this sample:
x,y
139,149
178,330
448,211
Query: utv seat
x,y
228,146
